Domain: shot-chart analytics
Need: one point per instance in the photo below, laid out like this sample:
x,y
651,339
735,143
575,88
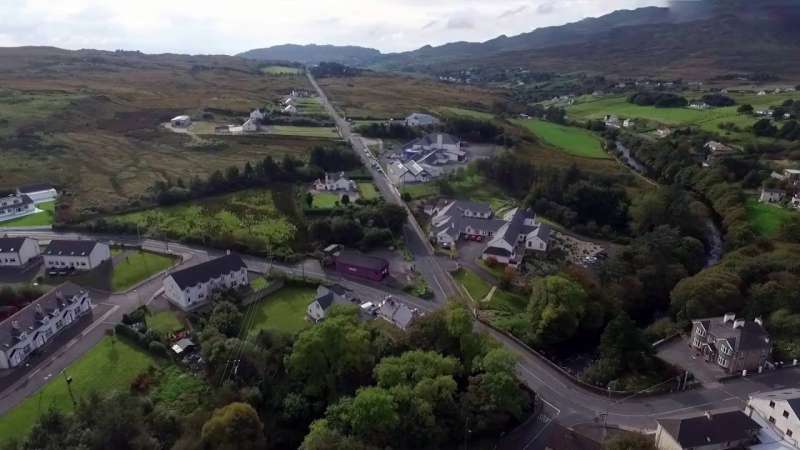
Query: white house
x,y
78,255
709,431
421,120
250,126
397,313
15,206
629,123
611,121
325,299
699,105
521,233
778,411
182,121
795,202
420,147
762,93
39,193
35,325
195,286
290,109
771,195
661,133
17,251
256,114
409,172
335,182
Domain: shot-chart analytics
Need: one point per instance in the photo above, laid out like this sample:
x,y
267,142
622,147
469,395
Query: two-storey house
x,y
75,254
732,344
15,206
195,286
17,251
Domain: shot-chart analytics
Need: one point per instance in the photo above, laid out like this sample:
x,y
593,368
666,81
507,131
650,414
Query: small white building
x,y
335,182
421,120
15,206
182,121
629,123
39,193
37,324
195,286
327,298
256,114
251,126
290,109
661,133
779,411
611,121
699,106
772,195
17,251
75,254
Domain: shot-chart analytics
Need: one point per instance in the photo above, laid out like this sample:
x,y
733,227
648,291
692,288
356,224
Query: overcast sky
x,y
205,26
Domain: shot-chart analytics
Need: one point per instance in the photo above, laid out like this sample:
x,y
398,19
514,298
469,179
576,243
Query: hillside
x,y
315,54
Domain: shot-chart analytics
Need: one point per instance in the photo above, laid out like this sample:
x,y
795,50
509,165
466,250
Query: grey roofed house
x,y
70,247
182,345
11,244
397,313
30,188
203,272
420,119
27,317
334,295
24,200
710,428
749,336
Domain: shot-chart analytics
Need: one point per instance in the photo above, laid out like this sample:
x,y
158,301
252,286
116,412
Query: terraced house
x,y
75,254
730,343
35,325
17,251
195,286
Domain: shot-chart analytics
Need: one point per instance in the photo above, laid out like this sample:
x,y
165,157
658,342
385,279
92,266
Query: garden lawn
x,y
325,200
476,287
104,368
284,311
317,132
421,190
572,140
43,218
367,191
137,266
470,113
164,322
767,219
281,70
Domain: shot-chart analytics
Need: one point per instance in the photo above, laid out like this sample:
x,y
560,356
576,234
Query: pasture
x,y
572,140
310,132
463,112
767,219
111,365
284,311
249,218
281,70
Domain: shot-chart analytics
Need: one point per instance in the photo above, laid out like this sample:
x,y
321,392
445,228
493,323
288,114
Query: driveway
x,y
679,354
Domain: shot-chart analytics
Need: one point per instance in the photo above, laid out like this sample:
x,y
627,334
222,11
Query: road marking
x,y
675,411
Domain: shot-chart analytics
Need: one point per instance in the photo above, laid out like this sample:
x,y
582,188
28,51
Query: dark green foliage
x,y
765,128
333,159
391,130
718,100
658,99
473,130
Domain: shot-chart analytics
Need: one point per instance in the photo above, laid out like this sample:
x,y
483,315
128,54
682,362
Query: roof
x,y
329,296
433,139
31,188
181,117
710,428
562,438
183,344
790,396
70,247
361,260
11,244
421,117
458,224
26,317
398,313
750,336
203,272
24,200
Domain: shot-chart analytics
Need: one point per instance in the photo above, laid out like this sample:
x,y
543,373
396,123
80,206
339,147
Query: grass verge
x,y
136,267
284,311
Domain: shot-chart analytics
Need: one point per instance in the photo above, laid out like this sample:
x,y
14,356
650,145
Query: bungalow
x,y
628,123
37,324
39,193
611,121
195,286
699,105
335,182
17,251
327,298
75,254
397,313
182,121
709,431
732,344
407,172
250,126
762,93
661,133
772,195
15,206
717,150
421,120
290,109
256,114
521,233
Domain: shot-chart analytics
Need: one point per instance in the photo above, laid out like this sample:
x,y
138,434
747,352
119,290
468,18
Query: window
x,y
786,414
771,419
771,404
789,433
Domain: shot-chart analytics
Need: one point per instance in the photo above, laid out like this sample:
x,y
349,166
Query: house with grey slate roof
x,y
325,299
521,233
37,324
17,251
730,343
779,411
709,431
397,313
454,220
15,206
75,254
195,286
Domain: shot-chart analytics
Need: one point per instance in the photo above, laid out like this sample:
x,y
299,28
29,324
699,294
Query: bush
x,y
157,348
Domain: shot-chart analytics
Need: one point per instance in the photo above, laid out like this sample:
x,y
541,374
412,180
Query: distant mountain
x,y
315,54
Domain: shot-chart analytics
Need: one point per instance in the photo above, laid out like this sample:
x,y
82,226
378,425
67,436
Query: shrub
x,y
157,348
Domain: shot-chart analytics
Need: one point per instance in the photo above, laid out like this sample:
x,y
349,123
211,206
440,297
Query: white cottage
x,y
37,324
15,206
772,195
182,121
335,182
17,251
326,298
39,193
195,286
75,254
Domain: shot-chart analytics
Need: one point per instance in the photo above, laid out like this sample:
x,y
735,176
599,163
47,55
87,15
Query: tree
x,y
412,367
765,128
345,199
711,292
372,415
309,199
555,310
226,317
624,343
234,427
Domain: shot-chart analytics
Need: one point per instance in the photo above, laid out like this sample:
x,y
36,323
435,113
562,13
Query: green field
x,y
104,368
325,200
18,108
420,191
476,287
368,191
767,219
468,185
470,113
138,266
284,311
250,217
281,70
164,322
43,218
310,106
316,132
572,140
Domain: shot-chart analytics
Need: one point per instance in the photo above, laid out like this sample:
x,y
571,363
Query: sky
x,y
229,27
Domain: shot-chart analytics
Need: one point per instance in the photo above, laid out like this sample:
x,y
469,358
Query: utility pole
x,y
68,379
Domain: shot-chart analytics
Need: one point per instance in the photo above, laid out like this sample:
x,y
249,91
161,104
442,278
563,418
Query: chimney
x,y
759,321
439,140
738,323
227,252
729,317
709,416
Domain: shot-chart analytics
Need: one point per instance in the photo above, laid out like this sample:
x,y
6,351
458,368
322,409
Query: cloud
x,y
546,8
430,24
513,12
460,23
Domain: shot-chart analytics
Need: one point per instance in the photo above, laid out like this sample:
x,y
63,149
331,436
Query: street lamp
x,y
68,379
